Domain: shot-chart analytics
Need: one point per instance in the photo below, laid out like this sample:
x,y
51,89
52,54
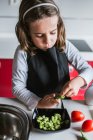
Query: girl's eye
x,y
53,33
39,35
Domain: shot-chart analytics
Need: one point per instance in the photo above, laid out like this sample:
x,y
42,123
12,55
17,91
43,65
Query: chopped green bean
x,y
59,97
52,123
83,137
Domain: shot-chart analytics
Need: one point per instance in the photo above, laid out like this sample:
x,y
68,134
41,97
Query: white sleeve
x,y
78,62
19,79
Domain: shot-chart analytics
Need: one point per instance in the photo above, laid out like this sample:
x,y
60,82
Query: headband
x,y
38,5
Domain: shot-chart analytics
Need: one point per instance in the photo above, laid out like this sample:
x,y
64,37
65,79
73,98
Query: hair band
x,y
38,5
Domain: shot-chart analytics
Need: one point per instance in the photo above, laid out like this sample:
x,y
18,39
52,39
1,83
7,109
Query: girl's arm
x,y
19,78
78,62
85,71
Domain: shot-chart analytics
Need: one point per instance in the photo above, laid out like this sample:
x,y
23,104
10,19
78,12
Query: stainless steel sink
x,y
14,123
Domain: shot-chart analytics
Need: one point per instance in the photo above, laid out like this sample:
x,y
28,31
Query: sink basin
x,y
14,123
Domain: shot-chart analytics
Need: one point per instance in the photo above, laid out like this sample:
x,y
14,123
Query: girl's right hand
x,y
48,102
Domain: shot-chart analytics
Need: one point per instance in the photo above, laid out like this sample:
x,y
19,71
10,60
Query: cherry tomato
x,y
87,125
77,116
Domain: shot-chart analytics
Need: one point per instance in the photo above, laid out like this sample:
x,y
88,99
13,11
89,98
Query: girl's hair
x,y
25,18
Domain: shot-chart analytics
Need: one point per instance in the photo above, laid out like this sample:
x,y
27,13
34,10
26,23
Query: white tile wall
x,y
78,17
8,9
76,8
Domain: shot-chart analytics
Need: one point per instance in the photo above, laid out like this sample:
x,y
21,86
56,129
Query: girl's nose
x,y
47,39
47,45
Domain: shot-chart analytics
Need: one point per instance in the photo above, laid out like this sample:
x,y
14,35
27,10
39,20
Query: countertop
x,y
72,133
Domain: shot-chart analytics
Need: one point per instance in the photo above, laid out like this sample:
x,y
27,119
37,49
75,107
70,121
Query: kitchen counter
x,y
72,133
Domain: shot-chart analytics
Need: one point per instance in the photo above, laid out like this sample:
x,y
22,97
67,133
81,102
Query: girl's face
x,y
43,32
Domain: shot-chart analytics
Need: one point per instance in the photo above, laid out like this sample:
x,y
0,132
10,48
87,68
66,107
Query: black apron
x,y
47,72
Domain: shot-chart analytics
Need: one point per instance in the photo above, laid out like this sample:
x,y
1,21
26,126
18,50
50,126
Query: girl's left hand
x,y
72,87
48,101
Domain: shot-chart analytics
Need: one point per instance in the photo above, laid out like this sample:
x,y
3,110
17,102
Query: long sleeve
x,y
78,62
19,78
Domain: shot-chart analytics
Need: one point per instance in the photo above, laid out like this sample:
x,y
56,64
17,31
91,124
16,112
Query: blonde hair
x,y
22,26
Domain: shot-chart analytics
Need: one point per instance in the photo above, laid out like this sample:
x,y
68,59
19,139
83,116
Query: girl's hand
x,y
72,87
48,102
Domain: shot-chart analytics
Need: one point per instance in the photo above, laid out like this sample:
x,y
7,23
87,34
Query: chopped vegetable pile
x,y
52,123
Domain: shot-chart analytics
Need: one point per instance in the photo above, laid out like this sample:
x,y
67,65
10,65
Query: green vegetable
x,y
59,97
83,137
52,123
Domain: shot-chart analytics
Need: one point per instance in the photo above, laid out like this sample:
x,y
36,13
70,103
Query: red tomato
x,y
87,125
77,116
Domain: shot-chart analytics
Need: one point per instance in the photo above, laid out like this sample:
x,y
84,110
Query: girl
x,y
40,67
